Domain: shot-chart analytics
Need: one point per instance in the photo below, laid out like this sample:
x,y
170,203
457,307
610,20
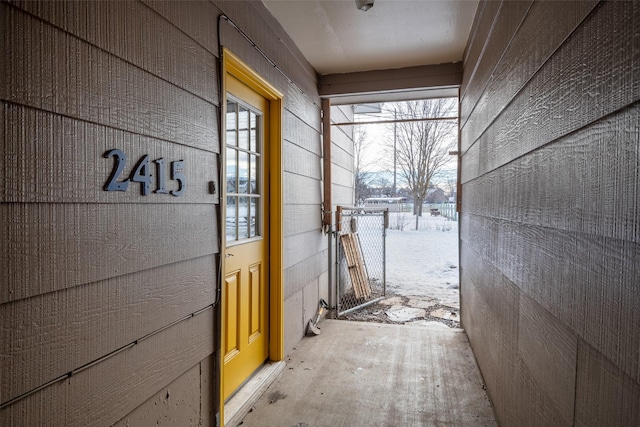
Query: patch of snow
x,y
391,301
399,313
424,262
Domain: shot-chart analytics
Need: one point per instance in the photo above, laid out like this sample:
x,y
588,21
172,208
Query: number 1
x,y
160,177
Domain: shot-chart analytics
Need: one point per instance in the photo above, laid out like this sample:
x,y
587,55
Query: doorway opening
x,y
405,159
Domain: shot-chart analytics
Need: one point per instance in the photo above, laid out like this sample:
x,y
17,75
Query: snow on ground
x,y
424,262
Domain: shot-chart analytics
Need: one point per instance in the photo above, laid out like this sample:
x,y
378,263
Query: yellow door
x,y
246,283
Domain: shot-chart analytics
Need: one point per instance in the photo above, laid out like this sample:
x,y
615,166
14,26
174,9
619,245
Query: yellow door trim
x,y
232,65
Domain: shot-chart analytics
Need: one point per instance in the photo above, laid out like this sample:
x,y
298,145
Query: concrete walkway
x,y
370,374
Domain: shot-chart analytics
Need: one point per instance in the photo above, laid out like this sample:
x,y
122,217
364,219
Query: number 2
x,y
121,160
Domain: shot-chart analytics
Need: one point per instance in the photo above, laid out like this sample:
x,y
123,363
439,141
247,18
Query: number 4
x,y
141,174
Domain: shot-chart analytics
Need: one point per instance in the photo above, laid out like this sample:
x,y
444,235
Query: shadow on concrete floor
x,y
373,374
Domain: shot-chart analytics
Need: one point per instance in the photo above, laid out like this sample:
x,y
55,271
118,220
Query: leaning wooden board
x,y
361,286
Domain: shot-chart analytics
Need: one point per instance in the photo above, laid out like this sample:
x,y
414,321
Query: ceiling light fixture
x,y
364,5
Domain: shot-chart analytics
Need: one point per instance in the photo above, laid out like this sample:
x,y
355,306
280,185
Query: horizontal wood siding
x,y
301,190
105,392
304,135
299,161
80,168
550,243
105,25
521,60
184,402
342,176
48,68
50,340
48,247
195,18
486,14
303,246
595,161
604,394
342,158
302,218
505,24
579,76
296,275
549,351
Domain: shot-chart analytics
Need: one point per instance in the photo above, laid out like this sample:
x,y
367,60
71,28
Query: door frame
x,y
232,65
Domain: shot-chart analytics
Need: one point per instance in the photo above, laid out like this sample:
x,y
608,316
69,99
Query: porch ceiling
x,y
338,39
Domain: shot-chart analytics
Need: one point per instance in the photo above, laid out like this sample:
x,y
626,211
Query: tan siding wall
x,y
342,157
184,402
550,247
102,284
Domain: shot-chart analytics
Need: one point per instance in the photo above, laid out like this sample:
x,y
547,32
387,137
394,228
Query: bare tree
x,y
451,185
362,178
422,146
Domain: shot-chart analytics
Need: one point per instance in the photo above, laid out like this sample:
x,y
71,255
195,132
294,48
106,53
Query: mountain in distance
x,y
384,178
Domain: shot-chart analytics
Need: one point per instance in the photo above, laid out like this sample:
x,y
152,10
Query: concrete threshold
x,y
372,374
240,403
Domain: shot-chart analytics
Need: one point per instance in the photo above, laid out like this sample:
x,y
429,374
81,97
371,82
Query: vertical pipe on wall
x,y
459,171
326,206
326,163
459,210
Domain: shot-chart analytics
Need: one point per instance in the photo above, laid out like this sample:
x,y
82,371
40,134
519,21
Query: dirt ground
x,y
404,310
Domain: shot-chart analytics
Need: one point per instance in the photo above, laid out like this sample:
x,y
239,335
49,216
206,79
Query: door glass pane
x,y
253,216
243,127
243,172
232,111
253,174
253,146
243,217
232,171
231,219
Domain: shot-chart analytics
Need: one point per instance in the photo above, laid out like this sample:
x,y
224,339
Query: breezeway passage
x,y
367,374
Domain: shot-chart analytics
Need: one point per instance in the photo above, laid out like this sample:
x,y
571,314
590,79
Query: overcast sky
x,y
380,136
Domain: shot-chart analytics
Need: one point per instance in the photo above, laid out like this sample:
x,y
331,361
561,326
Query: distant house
x,y
436,195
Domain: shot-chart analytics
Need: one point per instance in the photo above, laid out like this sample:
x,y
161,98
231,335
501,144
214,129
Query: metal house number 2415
x,y
142,173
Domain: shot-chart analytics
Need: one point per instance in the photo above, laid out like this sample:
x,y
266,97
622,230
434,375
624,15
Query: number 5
x,y
177,173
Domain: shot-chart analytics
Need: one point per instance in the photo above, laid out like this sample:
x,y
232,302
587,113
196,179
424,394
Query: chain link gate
x,y
360,257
